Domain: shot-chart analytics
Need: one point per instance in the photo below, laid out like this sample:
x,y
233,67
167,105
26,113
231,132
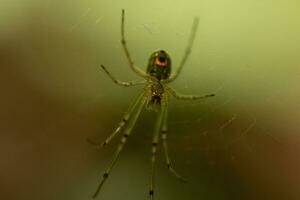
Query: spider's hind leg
x,y
125,48
187,52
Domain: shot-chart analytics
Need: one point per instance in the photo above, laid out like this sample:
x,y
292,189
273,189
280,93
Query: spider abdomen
x,y
159,65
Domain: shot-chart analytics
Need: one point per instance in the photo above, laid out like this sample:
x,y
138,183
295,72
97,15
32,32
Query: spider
x,y
155,97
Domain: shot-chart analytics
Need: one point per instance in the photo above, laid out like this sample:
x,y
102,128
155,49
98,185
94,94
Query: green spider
x,y
155,97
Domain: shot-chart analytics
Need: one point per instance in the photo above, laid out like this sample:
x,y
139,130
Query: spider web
x,y
243,142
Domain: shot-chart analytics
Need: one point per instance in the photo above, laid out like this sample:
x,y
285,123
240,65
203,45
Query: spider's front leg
x,y
164,131
161,127
155,141
121,124
131,122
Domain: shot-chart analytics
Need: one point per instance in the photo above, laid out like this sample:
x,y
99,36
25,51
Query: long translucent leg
x,y
187,50
123,41
164,131
155,141
122,123
126,134
121,83
188,97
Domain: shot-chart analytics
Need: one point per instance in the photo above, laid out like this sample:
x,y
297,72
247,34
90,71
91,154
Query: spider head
x,y
159,65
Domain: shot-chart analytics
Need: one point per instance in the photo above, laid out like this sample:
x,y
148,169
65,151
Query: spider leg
x,y
187,50
155,141
126,134
188,97
164,131
122,123
123,41
121,83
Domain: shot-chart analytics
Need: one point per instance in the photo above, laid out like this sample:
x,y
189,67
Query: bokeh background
x,y
242,144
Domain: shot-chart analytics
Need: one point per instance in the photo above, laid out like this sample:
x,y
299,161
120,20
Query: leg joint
x,y
151,192
154,144
105,175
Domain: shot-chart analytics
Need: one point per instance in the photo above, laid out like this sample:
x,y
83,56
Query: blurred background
x,y
241,144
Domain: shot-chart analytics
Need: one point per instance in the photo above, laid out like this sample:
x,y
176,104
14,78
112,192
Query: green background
x,y
241,144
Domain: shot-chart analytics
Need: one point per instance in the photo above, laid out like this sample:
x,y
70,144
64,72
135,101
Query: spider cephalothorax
x,y
156,92
159,65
